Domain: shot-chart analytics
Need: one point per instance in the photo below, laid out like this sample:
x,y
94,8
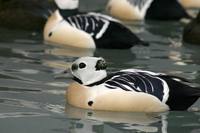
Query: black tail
x,y
181,95
118,36
166,10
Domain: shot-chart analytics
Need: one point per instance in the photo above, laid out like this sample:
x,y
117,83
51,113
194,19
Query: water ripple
x,y
21,114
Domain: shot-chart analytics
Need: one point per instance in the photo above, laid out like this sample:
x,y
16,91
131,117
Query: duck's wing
x,y
94,25
106,31
139,81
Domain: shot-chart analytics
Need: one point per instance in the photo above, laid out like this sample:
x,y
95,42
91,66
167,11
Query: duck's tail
x,y
166,10
182,93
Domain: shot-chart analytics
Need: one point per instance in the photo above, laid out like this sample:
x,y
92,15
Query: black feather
x,y
181,96
166,10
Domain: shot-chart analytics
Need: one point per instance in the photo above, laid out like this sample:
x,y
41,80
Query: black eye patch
x,y
82,65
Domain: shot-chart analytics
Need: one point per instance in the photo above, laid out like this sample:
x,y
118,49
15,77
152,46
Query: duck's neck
x,y
108,76
92,79
68,12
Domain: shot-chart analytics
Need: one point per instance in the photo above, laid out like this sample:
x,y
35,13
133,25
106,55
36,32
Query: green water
x,y
32,95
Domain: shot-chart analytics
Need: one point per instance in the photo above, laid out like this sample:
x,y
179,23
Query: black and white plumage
x,y
92,23
139,81
105,31
147,9
174,92
166,88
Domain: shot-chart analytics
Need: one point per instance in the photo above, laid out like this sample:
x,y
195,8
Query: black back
x,y
166,10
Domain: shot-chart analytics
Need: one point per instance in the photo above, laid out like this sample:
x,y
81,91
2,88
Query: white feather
x,y
67,4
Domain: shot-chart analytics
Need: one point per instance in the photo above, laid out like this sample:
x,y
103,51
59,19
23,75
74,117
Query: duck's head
x,y
67,4
89,70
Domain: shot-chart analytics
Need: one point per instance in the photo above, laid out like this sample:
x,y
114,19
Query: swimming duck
x,y
87,30
190,3
146,9
127,90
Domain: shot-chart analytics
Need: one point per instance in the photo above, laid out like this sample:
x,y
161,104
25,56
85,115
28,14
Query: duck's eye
x,y
82,65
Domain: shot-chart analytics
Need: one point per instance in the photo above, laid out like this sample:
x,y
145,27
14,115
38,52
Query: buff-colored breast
x,y
98,98
123,10
190,3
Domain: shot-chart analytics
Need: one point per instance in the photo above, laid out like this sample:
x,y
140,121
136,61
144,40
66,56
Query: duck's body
x,y
102,98
88,30
127,9
190,3
129,90
147,9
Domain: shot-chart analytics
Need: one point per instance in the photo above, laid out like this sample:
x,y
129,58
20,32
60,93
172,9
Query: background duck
x,y
190,3
191,33
24,14
87,30
146,9
127,90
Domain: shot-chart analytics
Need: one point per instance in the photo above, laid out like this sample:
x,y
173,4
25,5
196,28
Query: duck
x,y
190,3
161,10
128,90
23,15
191,31
92,30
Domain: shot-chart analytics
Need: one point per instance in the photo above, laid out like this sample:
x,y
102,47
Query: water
x,y
32,95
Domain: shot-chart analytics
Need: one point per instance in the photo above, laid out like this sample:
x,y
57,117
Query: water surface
x,y
32,95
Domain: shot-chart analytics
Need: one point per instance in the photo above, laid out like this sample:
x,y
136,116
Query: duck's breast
x,y
57,30
101,98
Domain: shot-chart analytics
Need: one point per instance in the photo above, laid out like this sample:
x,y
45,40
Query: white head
x,y
67,4
89,69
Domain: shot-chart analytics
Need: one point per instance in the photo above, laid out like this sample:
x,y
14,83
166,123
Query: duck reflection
x,y
184,61
116,58
100,121
164,29
64,56
114,120
119,57
70,51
